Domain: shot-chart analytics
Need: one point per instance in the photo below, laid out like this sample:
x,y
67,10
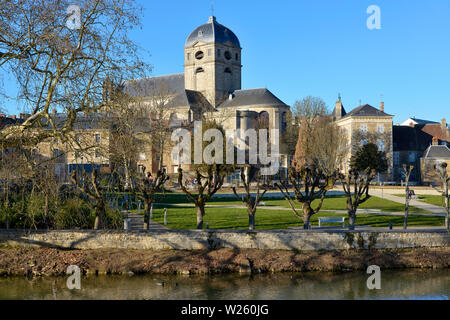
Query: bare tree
x,y
248,175
60,60
365,163
445,180
91,187
318,156
407,170
207,184
209,176
148,185
356,188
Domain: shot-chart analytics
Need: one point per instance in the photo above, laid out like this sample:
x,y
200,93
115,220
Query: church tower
x,y
212,55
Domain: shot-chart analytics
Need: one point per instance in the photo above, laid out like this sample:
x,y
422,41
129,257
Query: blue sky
x,y
321,48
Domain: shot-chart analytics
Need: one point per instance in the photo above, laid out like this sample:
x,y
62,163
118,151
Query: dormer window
x,y
200,33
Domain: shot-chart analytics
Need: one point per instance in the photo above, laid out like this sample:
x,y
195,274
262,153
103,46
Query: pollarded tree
x,y
445,180
206,185
356,185
210,173
364,166
251,174
407,174
148,186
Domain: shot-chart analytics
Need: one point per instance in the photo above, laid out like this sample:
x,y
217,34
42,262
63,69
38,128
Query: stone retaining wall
x,y
213,239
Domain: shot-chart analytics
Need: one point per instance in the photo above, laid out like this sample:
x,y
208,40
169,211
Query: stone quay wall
x,y
216,239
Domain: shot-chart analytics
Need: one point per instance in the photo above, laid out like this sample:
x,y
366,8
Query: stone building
x,y
434,156
411,139
211,84
366,124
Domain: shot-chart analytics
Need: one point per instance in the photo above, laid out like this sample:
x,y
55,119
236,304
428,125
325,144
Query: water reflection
x,y
410,284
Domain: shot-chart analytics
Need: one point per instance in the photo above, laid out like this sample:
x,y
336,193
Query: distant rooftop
x,y
366,111
437,152
252,97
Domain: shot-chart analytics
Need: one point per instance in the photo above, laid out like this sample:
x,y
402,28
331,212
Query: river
x,y
398,284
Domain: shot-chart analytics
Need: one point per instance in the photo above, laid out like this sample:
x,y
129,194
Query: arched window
x,y
227,70
237,57
263,120
199,70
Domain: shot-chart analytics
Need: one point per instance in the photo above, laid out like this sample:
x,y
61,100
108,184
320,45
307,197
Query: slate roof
x,y
366,111
146,87
343,112
252,97
437,152
213,32
422,121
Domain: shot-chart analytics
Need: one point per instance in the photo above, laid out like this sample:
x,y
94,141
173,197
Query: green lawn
x,y
330,203
231,218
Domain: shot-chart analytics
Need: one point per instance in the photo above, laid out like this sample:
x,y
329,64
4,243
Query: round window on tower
x,y
227,55
199,55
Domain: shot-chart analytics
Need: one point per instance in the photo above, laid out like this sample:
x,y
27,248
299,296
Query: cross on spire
x,y
212,9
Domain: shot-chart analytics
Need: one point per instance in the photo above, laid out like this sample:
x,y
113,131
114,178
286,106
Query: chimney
x,y
13,117
443,124
382,106
435,141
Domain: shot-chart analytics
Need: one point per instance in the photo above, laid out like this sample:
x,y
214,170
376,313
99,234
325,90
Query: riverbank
x,y
54,262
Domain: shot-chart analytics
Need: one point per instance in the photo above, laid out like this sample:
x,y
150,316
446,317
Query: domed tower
x,y
212,61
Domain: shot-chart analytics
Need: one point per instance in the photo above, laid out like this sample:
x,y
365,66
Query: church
x,y
211,82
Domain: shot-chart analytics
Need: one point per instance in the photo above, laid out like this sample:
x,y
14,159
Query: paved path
x,y
373,229
416,203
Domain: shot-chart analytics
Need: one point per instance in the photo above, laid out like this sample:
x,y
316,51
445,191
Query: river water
x,y
404,284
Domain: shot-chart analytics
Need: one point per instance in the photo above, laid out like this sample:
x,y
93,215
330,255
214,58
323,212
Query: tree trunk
x,y
351,218
307,213
46,211
200,213
405,223
97,222
447,209
99,216
146,215
251,219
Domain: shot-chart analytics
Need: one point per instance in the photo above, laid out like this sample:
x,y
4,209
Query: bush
x,y
75,213
114,219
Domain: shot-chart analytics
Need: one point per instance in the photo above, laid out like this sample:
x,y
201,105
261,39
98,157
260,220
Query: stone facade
x,y
214,239
365,124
